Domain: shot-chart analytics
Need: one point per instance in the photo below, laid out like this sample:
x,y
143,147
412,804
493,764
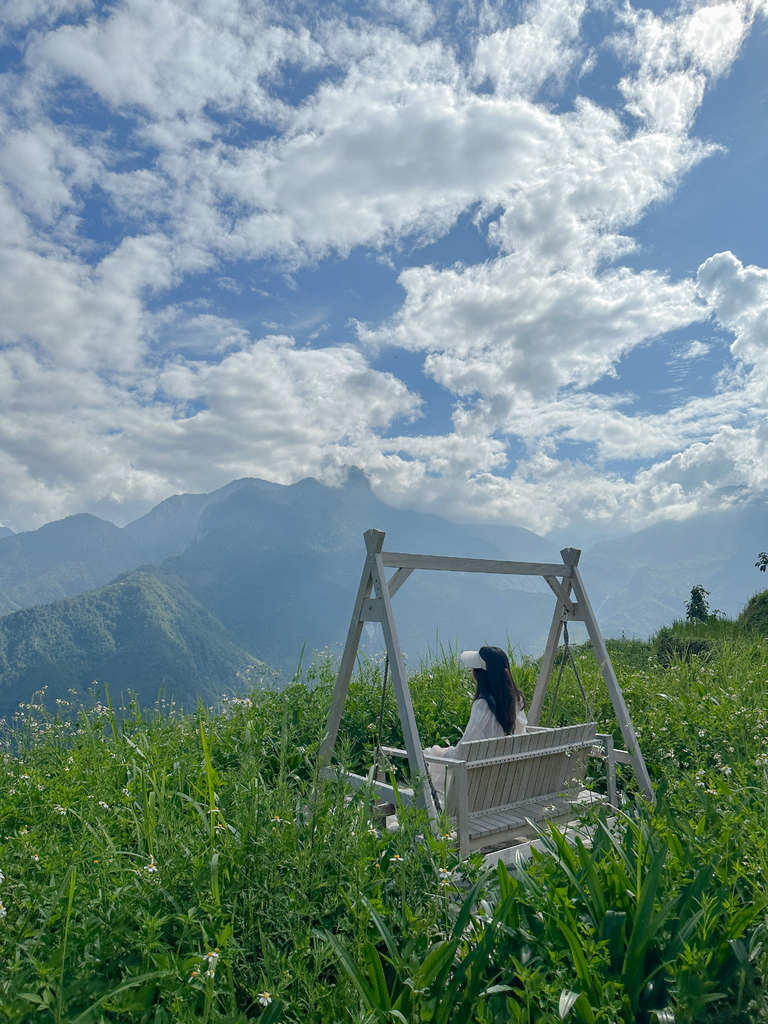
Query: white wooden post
x,y
346,667
612,683
374,540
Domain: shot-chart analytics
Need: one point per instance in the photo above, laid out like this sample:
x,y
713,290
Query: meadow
x,y
165,867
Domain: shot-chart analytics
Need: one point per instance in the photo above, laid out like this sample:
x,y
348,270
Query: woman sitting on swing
x,y
498,707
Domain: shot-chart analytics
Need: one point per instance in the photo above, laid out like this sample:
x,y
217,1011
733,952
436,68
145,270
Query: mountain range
x,y
205,588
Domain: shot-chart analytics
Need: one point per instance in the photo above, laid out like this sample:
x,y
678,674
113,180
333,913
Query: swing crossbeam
x,y
374,604
449,563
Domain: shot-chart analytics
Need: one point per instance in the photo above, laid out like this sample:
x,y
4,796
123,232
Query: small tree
x,y
762,561
697,609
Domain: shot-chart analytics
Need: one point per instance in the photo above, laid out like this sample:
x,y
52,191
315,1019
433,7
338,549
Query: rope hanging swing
x,y
568,656
378,751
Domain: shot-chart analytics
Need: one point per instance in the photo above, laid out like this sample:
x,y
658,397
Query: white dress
x,y
482,725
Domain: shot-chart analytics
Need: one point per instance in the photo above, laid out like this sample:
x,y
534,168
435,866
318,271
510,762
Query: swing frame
x,y
374,604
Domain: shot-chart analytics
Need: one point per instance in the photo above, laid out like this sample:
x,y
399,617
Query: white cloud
x,y
82,315
505,330
16,13
377,134
678,55
171,61
545,44
72,437
738,296
417,15
695,350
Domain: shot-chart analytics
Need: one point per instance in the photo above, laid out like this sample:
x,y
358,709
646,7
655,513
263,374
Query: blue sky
x,y
509,259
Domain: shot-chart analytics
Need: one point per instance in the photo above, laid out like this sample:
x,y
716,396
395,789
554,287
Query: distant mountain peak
x,y
357,480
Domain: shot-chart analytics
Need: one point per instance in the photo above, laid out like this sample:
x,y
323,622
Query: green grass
x,y
174,868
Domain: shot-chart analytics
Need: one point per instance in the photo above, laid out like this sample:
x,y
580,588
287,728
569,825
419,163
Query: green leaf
x,y
583,1010
437,960
643,928
273,1013
614,934
349,965
466,908
579,960
137,982
378,983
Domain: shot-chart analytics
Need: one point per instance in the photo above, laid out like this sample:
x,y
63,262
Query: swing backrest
x,y
518,769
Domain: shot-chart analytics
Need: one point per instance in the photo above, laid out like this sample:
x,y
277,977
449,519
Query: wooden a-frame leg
x,y
374,540
346,668
614,690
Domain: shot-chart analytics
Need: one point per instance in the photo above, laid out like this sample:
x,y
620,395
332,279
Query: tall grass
x,y
172,868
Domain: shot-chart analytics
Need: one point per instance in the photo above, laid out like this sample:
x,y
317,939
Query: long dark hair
x,y
497,687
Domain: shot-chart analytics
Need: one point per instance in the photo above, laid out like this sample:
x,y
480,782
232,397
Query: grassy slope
x,y
129,855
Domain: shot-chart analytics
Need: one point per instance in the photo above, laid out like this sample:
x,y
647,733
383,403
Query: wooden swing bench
x,y
500,789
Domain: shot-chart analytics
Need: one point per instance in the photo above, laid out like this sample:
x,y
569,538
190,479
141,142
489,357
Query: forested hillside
x,y
140,633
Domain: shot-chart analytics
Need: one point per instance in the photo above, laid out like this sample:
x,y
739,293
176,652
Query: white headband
x,y
472,659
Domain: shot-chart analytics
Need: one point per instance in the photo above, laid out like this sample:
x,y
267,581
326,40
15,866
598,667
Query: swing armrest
x,y
431,758
394,751
436,759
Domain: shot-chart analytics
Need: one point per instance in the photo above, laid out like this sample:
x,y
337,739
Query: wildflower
x,y
2,877
3,911
152,867
265,998
396,856
193,975
372,831
104,804
60,809
35,858
212,958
